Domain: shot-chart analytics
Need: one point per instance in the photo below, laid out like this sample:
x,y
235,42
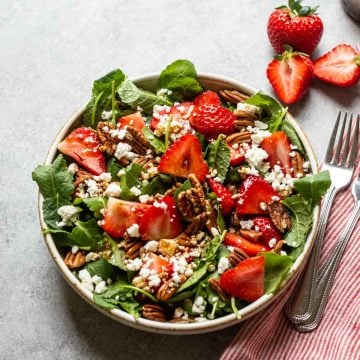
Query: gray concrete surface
x,y
50,53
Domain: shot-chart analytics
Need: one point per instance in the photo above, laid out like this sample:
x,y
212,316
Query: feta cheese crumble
x,y
223,265
113,190
133,230
69,214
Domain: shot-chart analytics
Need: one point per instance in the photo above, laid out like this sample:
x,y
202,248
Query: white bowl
x,y
211,82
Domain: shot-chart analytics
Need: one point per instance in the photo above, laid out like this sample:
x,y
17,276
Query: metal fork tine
x,y
340,141
355,144
330,149
347,142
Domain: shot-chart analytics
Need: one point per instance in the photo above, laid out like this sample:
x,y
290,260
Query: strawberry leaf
x,y
218,157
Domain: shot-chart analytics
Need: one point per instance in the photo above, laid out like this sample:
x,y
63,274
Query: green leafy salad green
x,y
179,203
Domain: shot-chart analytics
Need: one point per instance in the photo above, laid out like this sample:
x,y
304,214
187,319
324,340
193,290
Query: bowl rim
x,y
196,327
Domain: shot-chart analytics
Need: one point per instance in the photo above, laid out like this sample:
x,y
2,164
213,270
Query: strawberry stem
x,y
296,9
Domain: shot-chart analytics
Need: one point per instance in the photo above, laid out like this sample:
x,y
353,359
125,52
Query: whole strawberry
x,y
295,25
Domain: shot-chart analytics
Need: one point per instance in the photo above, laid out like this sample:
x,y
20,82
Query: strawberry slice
x,y
119,215
255,193
267,229
207,97
237,156
238,241
290,75
184,157
83,146
340,66
246,280
134,120
278,148
159,264
227,202
161,220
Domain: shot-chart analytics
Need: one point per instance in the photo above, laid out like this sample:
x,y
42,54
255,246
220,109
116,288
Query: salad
x,y
183,204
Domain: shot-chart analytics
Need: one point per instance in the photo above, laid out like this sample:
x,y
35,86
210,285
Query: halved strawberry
x,y
290,75
161,220
278,147
159,264
119,215
211,120
238,241
246,280
184,157
340,66
207,97
227,203
237,155
267,229
134,120
83,146
254,195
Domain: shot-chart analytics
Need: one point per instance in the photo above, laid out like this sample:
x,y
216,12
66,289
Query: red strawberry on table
x,y
227,203
278,147
161,220
290,75
83,146
207,97
134,120
246,280
238,241
340,66
254,195
295,25
119,215
212,120
267,229
184,157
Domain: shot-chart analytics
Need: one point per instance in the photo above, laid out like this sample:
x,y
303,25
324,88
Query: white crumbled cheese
x,y
105,176
88,286
151,246
217,179
255,156
162,92
195,253
96,279
73,168
144,198
292,153
261,125
145,272
251,109
299,175
272,243
246,224
249,171
223,265
154,280
188,272
117,133
101,222
278,180
100,287
160,205
283,253
306,165
123,150
179,312
74,250
113,190
134,265
93,189
84,275
136,191
176,278
198,305
91,256
133,230
259,136
293,147
121,173
214,231
69,214
275,198
263,206
106,115
230,248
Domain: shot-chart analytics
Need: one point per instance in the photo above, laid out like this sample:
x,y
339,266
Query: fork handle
x,y
300,304
328,273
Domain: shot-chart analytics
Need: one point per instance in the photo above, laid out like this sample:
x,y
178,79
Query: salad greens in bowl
x,y
180,202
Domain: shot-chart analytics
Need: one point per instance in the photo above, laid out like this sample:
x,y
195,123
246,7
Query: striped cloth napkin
x,y
269,335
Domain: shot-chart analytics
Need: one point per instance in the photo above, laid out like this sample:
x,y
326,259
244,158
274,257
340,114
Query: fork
x,y
328,271
300,305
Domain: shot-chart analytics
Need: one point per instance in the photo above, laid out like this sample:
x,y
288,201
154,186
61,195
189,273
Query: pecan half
x,y
211,222
243,124
154,312
108,143
236,256
197,223
184,240
297,163
132,248
251,235
168,289
215,285
279,216
74,261
242,114
80,176
137,140
239,137
233,96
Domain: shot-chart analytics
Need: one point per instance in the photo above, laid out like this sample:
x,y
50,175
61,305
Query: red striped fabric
x,y
269,335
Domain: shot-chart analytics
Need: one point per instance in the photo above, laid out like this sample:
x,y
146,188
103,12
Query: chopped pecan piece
x,y
279,216
154,312
211,222
167,247
197,223
215,285
297,163
132,248
233,96
108,143
238,138
251,235
74,261
184,240
168,289
80,176
236,256
137,140
242,114
243,124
